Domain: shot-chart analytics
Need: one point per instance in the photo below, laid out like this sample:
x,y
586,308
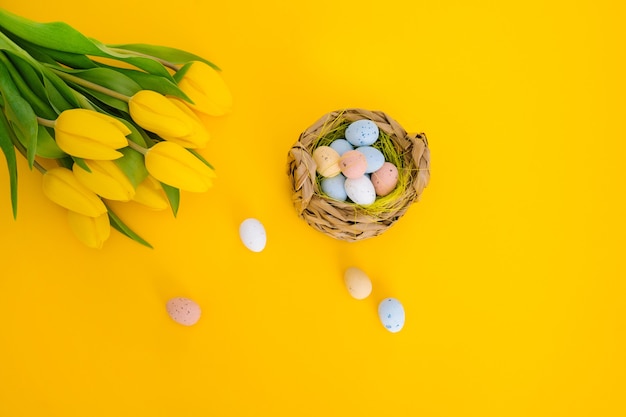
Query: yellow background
x,y
511,268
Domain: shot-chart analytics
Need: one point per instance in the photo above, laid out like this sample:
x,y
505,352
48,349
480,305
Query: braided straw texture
x,y
345,220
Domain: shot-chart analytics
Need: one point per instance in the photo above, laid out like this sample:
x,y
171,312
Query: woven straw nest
x,y
346,220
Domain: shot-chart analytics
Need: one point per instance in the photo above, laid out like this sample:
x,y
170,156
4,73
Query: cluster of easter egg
x,y
354,169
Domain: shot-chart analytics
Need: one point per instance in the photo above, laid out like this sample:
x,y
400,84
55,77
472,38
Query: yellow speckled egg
x,y
385,179
358,283
327,161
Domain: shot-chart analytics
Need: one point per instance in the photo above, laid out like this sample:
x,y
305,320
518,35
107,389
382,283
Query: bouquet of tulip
x,y
104,122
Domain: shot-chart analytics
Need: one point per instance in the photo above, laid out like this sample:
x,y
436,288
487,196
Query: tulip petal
x,y
105,179
206,88
89,134
91,231
61,186
151,195
198,138
155,112
174,165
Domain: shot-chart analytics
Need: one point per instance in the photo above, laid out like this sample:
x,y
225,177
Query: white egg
x,y
360,190
252,234
391,314
334,187
374,157
362,132
341,146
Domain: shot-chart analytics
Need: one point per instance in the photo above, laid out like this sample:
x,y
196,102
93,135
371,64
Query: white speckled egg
x,y
362,132
360,190
358,283
341,146
391,314
326,160
374,157
335,187
252,234
183,310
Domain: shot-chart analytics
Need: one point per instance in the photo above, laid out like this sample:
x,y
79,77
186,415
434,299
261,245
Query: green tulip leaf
x,y
153,82
20,115
104,99
132,165
119,225
53,35
201,158
173,55
182,71
28,83
6,144
81,163
108,78
46,145
173,195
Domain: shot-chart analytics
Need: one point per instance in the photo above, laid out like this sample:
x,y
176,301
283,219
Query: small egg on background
x,y
341,146
334,187
362,132
360,190
358,283
252,234
183,311
391,314
385,179
326,159
353,164
374,157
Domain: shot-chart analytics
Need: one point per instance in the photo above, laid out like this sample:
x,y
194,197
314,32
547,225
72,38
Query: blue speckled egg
x,y
334,187
341,146
375,158
391,314
362,132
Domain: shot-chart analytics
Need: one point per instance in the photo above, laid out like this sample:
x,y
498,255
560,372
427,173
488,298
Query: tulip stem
x,y
161,61
45,122
136,147
93,86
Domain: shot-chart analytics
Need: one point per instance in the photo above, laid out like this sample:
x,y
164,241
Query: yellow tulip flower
x,y
61,186
151,195
105,179
198,138
156,113
206,88
89,134
91,231
174,165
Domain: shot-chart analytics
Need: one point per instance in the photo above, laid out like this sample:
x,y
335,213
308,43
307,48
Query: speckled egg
x,y
391,314
183,311
362,132
360,190
374,157
385,179
353,164
253,235
341,146
326,159
358,283
334,187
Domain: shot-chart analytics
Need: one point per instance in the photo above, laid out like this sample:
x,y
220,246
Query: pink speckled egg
x,y
183,311
326,159
353,164
385,179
